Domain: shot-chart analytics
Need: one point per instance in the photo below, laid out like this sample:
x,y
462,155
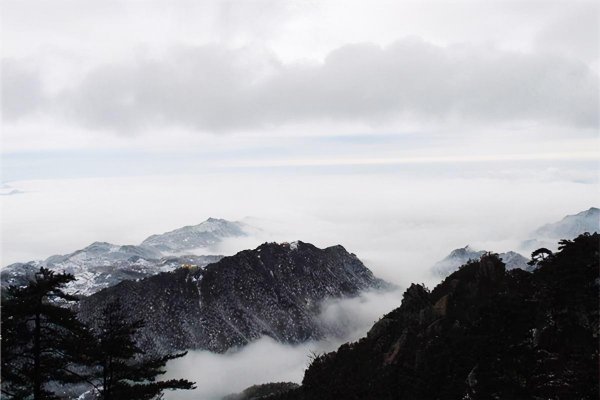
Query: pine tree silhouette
x,y
122,369
42,342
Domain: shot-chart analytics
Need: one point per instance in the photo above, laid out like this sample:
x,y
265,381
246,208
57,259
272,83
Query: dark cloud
x,y
215,89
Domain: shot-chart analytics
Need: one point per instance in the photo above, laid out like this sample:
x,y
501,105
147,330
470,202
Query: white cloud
x,y
574,32
224,66
212,89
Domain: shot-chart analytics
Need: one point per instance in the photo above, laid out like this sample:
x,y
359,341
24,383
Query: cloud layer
x,y
214,89
266,360
399,223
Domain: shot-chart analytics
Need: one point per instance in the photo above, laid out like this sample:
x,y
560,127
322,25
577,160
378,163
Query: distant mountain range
x,y
567,228
273,290
191,238
461,256
548,235
101,265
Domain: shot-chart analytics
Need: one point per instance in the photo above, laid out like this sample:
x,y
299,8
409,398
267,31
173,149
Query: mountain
x,y
273,290
548,235
513,260
567,228
461,256
6,190
205,234
572,225
101,265
483,333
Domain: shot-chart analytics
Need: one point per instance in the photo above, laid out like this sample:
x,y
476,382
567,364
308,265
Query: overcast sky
x,y
238,83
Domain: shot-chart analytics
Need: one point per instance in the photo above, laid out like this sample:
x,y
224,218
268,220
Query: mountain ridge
x,y
484,332
568,227
102,264
462,255
273,290
191,237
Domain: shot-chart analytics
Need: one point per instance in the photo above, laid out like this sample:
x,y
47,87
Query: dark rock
x,y
483,333
274,290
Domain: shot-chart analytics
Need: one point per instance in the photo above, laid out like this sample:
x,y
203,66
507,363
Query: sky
x,y
271,83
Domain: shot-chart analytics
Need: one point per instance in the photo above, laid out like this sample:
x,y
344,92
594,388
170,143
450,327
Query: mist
x,y
266,360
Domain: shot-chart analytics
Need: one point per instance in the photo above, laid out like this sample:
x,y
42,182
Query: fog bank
x,y
266,360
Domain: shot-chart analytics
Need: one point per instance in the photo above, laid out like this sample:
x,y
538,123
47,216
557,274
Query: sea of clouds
x,y
398,223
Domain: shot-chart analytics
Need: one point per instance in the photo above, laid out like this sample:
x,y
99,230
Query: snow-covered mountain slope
x,y
569,227
461,256
273,290
547,236
572,226
101,265
203,235
100,253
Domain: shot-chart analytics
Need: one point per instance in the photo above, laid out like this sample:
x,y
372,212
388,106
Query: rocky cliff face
x,y
273,290
483,333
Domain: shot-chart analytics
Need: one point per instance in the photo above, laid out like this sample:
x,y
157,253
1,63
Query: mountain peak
x,y
466,251
463,255
103,264
100,244
204,235
572,225
269,290
590,212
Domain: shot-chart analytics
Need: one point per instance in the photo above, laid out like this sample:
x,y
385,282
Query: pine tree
x,y
539,256
41,340
124,371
